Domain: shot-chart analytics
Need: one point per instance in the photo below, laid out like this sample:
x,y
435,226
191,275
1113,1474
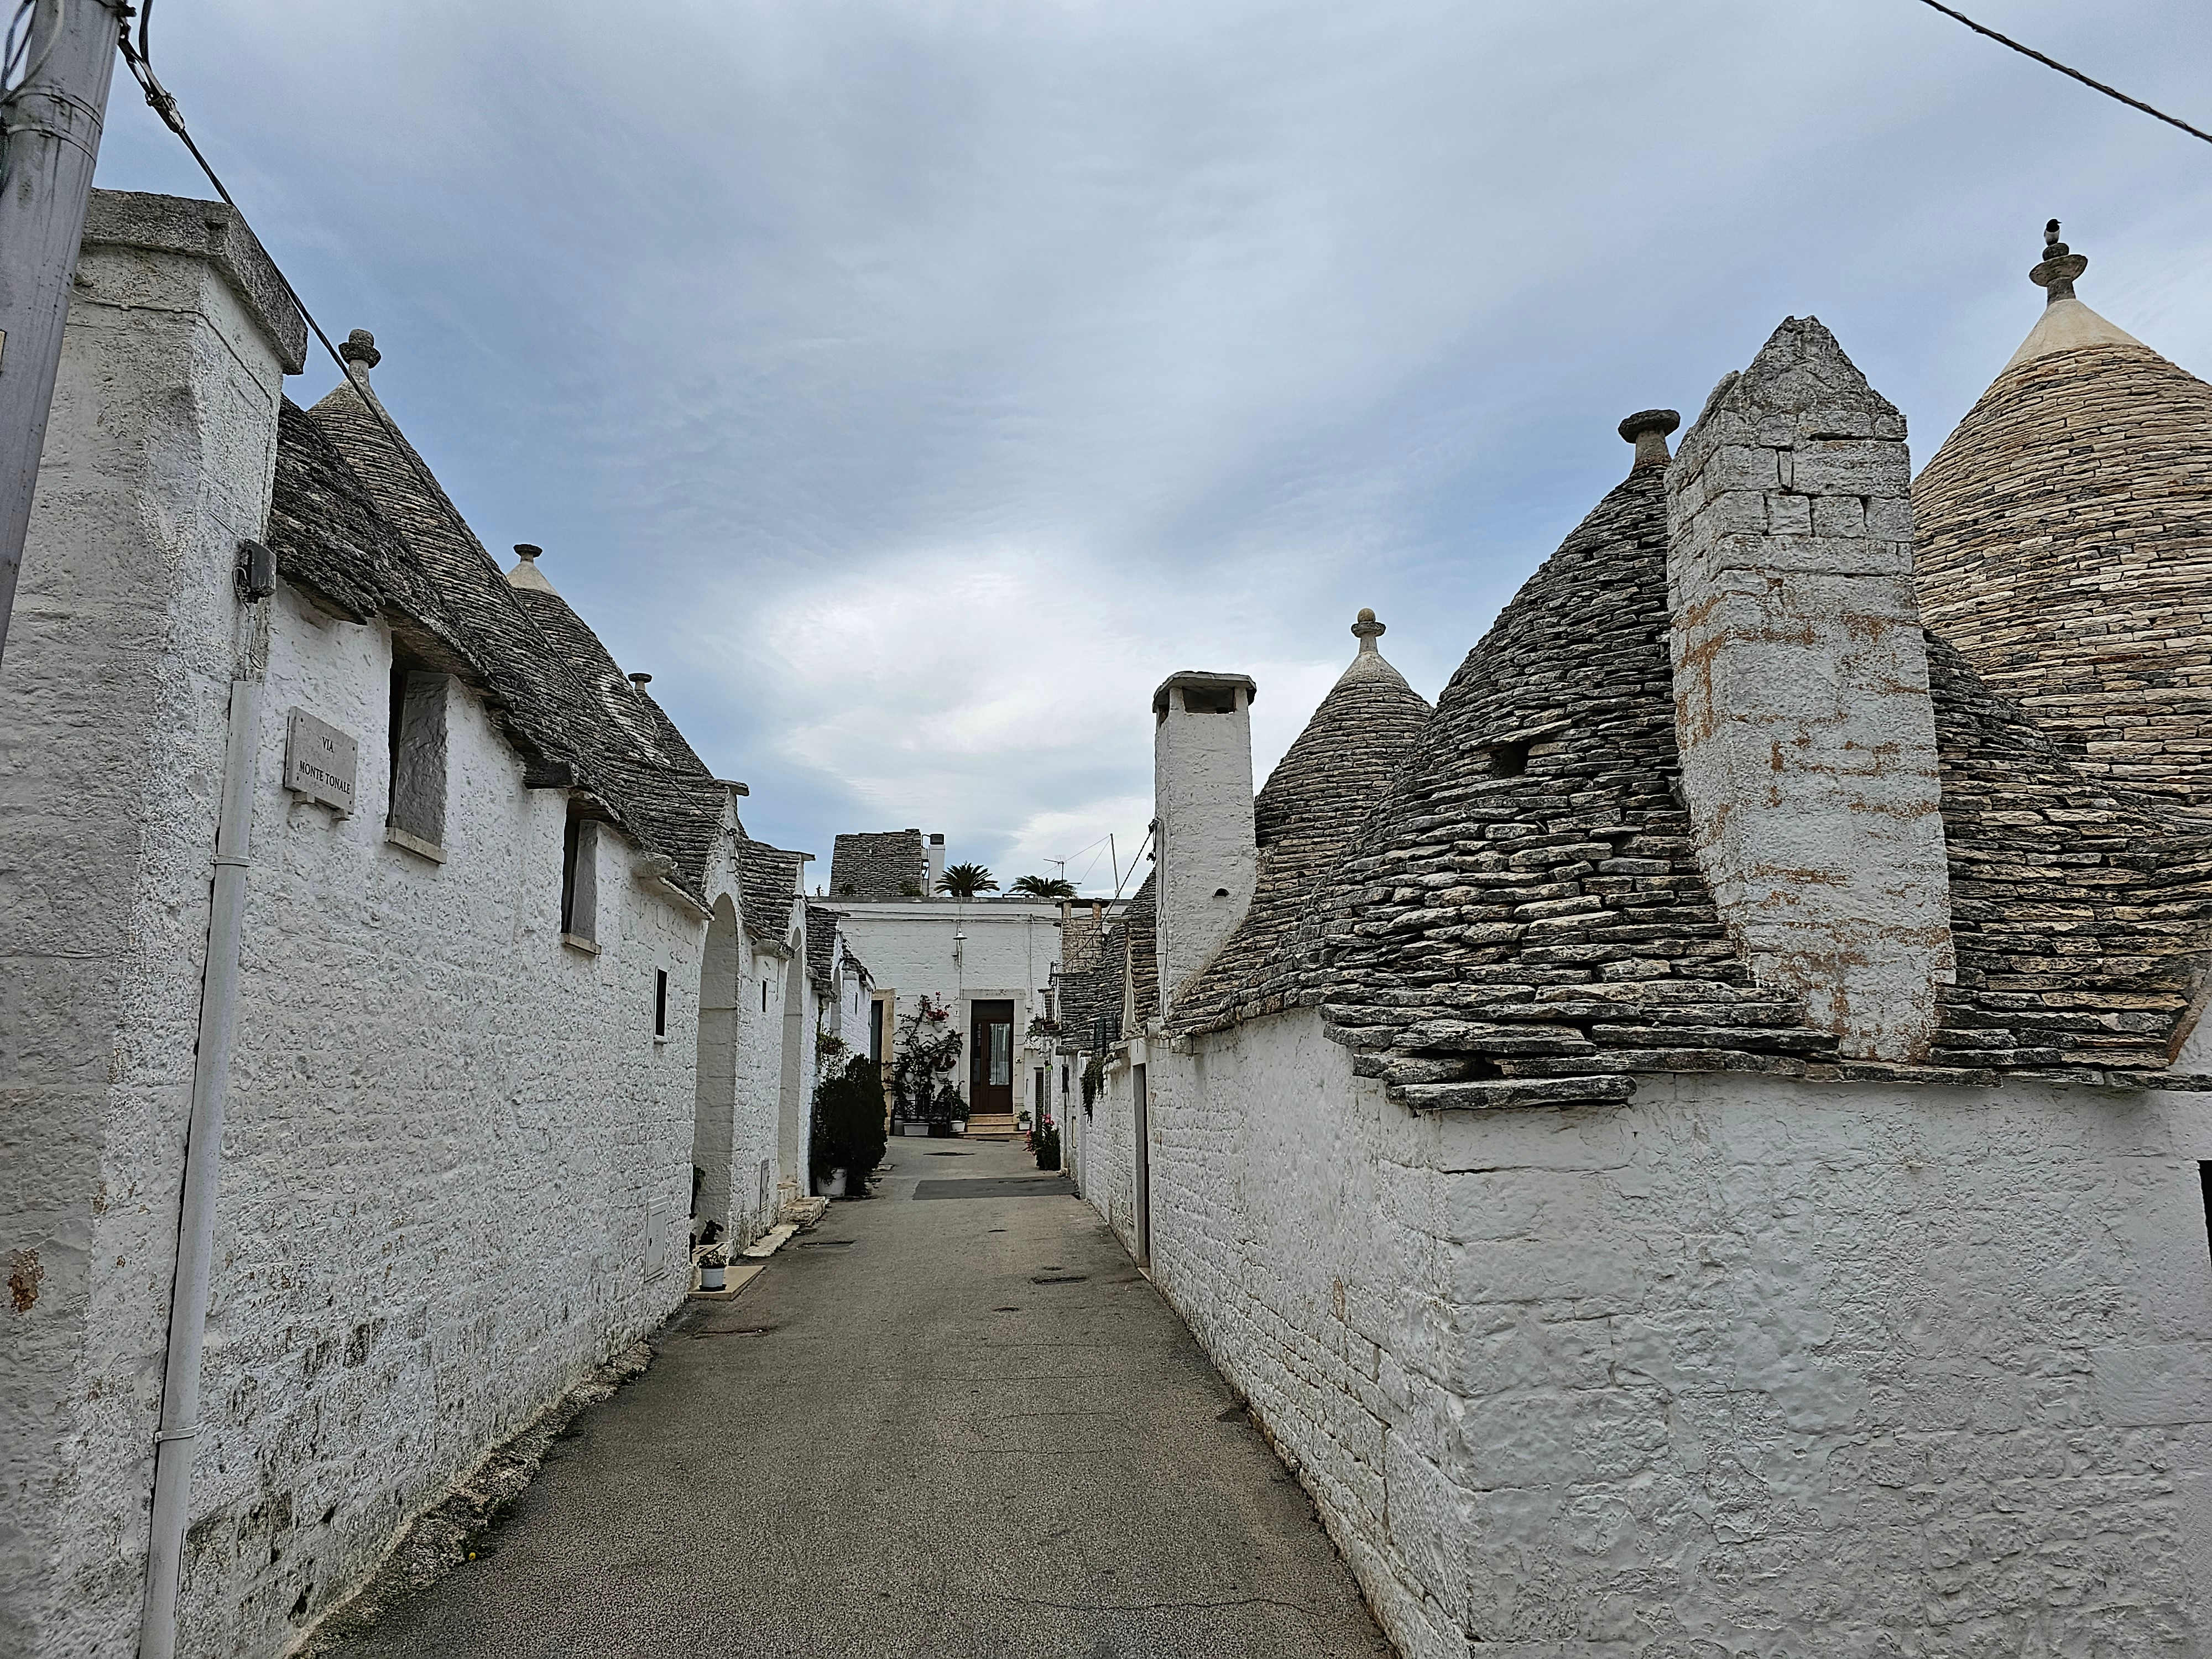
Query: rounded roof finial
x,y
2061,266
1647,429
527,550
1366,628
641,679
359,347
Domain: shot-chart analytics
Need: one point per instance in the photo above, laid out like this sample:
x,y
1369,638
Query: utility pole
x,y
50,128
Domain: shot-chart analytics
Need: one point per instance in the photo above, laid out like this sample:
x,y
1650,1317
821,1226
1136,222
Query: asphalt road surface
x,y
944,1424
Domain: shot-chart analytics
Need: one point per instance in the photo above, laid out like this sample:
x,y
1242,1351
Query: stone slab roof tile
x,y
2066,549
768,883
1521,919
340,477
876,864
1306,814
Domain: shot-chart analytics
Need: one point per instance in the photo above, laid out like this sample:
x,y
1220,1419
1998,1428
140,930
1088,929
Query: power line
x,y
158,98
2052,63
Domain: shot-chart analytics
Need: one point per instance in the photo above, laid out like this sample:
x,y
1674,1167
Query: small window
x,y
580,879
1209,699
417,733
764,996
660,1002
1508,760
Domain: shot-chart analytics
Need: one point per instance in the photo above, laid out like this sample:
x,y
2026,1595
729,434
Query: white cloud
x,y
911,385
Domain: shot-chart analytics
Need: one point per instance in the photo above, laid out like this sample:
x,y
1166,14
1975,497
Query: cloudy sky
x,y
910,387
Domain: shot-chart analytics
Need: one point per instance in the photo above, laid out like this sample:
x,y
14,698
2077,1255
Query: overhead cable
x,y
2052,63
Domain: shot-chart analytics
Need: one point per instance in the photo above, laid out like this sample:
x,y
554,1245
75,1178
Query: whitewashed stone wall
x,y
113,699
455,1165
1744,1366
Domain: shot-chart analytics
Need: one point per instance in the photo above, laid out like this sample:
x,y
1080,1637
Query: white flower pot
x,y
910,1127
835,1187
713,1278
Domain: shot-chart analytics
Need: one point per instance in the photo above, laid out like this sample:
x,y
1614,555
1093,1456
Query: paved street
x,y
899,1441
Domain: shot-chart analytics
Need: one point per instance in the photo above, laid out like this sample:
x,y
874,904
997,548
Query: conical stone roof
x,y
2064,547
1308,812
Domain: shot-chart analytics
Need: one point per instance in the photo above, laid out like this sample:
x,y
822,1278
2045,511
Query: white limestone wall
x,y
1105,1171
1743,1366
113,697
760,1162
456,1159
454,1168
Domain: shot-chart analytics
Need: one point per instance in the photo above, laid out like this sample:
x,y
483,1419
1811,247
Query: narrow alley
x,y
954,1420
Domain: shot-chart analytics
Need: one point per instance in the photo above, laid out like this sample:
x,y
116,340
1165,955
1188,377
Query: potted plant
x,y
848,1129
714,1269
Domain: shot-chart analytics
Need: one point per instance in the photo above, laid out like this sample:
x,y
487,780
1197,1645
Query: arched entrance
x,y
715,1115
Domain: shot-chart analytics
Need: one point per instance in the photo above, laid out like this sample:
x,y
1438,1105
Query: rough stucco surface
x,y
159,452
1750,1365
1206,842
1807,739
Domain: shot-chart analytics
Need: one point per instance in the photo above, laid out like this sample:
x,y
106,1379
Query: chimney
x,y
1205,851
1801,693
934,871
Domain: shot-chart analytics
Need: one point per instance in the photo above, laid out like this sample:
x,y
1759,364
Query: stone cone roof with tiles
x,y
1306,814
878,864
363,527
2065,548
1130,970
768,885
822,950
1521,919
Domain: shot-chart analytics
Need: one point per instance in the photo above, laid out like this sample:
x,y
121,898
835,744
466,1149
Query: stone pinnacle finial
x,y
359,347
527,553
2060,266
641,681
1367,629
1647,429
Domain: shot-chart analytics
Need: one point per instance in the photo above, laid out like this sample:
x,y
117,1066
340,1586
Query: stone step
x,y
1000,1125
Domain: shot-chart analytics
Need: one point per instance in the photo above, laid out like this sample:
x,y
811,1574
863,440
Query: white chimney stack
x,y
1204,841
934,871
1801,693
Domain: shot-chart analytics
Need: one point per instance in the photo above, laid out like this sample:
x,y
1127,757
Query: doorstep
x,y
769,1241
737,1278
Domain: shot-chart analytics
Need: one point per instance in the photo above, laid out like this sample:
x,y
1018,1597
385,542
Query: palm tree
x,y
965,881
1043,887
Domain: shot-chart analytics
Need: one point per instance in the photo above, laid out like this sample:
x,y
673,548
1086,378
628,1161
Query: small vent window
x,y
1209,699
1508,760
417,735
579,879
660,1002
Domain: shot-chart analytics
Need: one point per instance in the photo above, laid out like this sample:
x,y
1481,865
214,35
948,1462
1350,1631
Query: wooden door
x,y
991,1059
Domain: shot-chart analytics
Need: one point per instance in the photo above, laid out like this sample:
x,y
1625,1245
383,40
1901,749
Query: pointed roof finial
x,y
1647,429
525,574
2060,266
359,347
1367,629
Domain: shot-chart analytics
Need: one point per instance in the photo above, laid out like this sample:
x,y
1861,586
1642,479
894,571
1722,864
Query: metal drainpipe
x,y
188,1300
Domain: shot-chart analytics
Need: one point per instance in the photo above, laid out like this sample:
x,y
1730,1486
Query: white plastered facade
x,y
1760,1364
